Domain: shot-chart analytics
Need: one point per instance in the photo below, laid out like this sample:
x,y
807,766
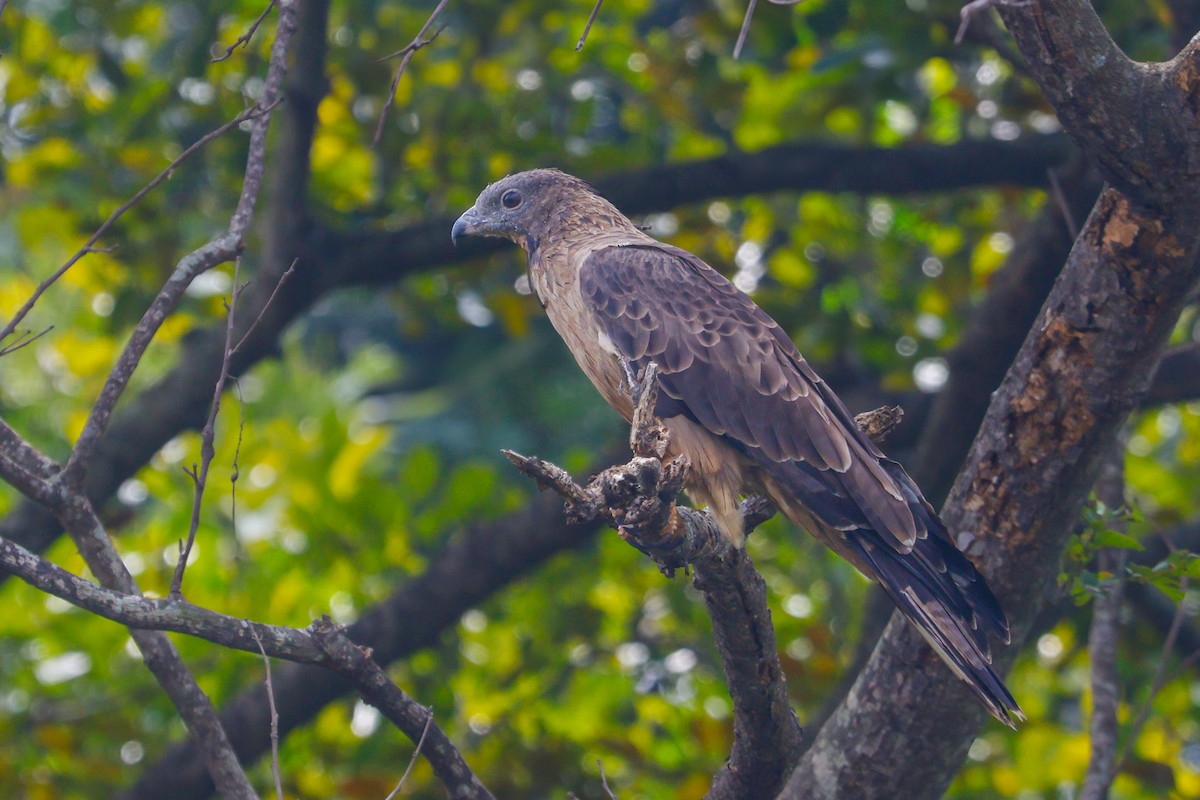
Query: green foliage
x,y
375,434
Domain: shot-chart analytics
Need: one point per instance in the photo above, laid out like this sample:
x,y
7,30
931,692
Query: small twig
x,y
279,285
1160,679
1063,206
412,762
208,435
976,7
588,27
24,340
413,719
42,287
604,781
741,40
236,470
1103,638
274,717
245,38
407,53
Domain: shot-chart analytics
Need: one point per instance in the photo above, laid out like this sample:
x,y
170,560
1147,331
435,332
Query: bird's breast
x,y
554,279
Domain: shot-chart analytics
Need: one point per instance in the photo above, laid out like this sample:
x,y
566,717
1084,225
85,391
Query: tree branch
x,y
335,260
638,500
218,250
322,644
1102,641
472,566
1121,112
416,721
88,246
1083,367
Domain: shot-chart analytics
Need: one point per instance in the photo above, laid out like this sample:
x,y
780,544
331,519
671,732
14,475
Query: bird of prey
x,y
742,405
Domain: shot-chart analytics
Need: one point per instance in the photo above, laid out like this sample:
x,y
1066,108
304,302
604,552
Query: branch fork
x,y
636,498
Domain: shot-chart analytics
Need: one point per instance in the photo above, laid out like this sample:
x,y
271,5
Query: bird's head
x,y
528,206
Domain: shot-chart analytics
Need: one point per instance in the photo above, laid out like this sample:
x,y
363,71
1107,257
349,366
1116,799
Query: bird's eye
x,y
511,198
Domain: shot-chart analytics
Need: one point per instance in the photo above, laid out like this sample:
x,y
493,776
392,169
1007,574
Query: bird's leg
x,y
648,437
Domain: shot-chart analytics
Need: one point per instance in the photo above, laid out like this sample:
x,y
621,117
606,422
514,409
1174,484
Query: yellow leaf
x,y
346,468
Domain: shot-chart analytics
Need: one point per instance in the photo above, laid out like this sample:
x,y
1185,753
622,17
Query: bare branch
x,y
208,435
406,55
250,113
588,27
266,306
638,499
1160,679
24,340
217,251
27,483
977,7
745,30
604,780
741,40
25,454
410,717
159,655
245,38
412,761
1102,642
323,644
274,719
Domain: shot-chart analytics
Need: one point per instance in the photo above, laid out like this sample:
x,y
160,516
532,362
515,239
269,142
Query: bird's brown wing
x,y
728,366
725,364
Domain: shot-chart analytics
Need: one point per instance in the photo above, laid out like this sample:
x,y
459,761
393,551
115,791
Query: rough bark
x,y
1083,367
1085,364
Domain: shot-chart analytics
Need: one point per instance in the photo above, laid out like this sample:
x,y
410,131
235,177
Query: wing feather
x,y
727,365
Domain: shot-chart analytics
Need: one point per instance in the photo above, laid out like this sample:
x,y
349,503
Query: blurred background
x,y
868,181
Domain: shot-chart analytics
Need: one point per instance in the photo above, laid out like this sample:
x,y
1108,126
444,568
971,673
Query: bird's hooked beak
x,y
470,222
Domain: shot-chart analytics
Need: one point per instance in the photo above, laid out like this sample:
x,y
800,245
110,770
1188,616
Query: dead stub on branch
x,y
638,498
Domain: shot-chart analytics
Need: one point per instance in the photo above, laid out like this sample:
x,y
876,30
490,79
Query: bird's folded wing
x,y
727,365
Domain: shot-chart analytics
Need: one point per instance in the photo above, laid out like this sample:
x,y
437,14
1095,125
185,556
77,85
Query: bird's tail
x,y
933,584
946,599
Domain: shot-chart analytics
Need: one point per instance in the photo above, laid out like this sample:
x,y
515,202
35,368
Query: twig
x,y
245,38
278,285
412,761
1160,679
1102,641
604,781
208,435
588,27
252,112
741,40
413,719
1061,199
274,718
235,470
24,340
221,249
976,7
407,53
